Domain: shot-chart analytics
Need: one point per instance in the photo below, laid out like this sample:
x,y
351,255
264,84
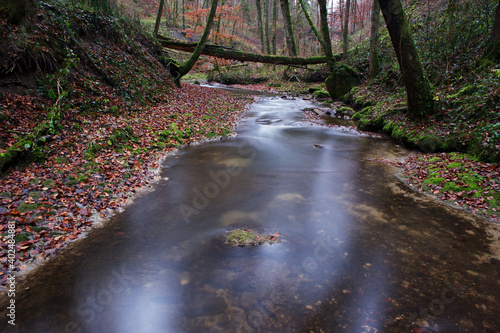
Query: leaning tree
x,y
178,71
419,96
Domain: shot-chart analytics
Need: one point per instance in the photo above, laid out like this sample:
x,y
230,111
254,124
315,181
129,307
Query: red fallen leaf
x,y
420,330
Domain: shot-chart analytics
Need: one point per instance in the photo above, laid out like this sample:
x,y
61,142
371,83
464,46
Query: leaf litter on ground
x,y
96,169
455,178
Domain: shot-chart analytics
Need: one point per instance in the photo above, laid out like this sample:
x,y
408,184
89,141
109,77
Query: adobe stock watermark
x,y
218,181
324,249
437,306
11,280
94,304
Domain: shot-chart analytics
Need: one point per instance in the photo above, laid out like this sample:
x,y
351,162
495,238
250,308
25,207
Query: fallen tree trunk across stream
x,y
228,53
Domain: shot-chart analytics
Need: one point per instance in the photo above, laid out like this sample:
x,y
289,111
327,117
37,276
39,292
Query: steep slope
x,y
87,109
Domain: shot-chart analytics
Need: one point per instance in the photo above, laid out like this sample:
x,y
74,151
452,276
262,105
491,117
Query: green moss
x,y
454,165
24,236
76,180
341,80
362,102
363,123
35,195
34,181
61,160
450,186
398,132
5,194
345,111
244,237
48,183
357,116
435,159
433,181
388,127
365,112
465,91
241,237
321,94
25,207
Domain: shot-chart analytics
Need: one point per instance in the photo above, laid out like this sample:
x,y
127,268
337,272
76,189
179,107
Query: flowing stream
x,y
360,252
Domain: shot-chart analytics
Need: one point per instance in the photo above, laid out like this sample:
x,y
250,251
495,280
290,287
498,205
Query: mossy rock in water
x,y
321,94
342,79
246,237
344,111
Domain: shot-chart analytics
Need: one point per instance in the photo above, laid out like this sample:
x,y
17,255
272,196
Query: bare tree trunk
x,y
217,30
341,16
311,23
203,5
345,32
183,16
158,18
375,20
287,19
260,27
353,10
418,93
325,32
266,26
451,10
494,47
175,13
184,68
234,24
16,10
275,19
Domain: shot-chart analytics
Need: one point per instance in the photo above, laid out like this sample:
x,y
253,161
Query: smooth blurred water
x,y
360,252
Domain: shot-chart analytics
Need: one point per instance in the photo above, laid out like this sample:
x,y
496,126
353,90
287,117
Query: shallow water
x,y
360,252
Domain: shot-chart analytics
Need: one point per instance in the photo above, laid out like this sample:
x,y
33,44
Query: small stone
x,y
309,307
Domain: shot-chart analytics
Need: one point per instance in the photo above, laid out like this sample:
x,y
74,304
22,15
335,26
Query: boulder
x,y
341,80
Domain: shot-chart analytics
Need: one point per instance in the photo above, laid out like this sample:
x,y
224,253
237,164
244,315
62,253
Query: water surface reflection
x,y
360,252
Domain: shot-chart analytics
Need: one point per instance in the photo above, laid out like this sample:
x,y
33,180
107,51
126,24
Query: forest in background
x,y
453,38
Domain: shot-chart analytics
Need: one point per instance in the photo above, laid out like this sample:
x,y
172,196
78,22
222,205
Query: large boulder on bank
x,y
341,80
